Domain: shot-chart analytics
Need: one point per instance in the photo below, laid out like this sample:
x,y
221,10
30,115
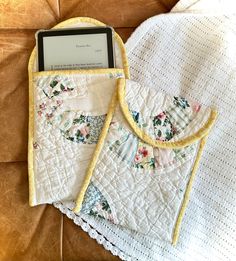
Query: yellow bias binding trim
x,y
32,192
160,144
187,193
80,71
32,73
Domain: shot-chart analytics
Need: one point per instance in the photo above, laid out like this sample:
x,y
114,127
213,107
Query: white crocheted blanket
x,y
191,54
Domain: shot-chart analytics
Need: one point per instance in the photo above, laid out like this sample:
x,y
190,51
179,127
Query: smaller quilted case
x,y
145,161
67,110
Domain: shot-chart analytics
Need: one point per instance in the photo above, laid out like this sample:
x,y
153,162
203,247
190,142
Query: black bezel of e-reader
x,y
75,31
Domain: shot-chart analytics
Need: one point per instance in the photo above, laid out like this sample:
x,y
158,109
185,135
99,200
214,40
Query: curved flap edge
x,y
185,141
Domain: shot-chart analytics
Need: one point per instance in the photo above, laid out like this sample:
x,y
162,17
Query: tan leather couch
x,y
42,233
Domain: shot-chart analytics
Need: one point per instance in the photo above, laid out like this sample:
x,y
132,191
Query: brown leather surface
x,y
25,233
29,14
122,12
15,48
35,233
79,246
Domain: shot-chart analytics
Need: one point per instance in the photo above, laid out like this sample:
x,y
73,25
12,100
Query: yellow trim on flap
x,y
79,71
187,193
31,73
160,144
98,148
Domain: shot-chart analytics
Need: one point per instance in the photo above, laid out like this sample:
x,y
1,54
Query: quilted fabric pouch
x,y
145,161
66,114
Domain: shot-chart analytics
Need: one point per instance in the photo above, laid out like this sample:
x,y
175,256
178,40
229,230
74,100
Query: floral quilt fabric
x,y
142,185
67,125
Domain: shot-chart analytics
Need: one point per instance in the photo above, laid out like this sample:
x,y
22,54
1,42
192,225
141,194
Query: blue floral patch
x,y
95,204
84,129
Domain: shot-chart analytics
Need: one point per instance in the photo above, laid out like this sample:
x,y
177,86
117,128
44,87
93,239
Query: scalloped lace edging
x,y
92,232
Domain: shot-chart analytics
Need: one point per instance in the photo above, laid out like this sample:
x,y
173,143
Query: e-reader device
x,y
75,48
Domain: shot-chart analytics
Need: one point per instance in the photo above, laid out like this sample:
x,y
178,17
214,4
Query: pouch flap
x,y
162,120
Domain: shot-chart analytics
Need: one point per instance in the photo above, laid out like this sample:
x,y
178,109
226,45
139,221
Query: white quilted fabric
x,y
143,185
63,119
192,55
